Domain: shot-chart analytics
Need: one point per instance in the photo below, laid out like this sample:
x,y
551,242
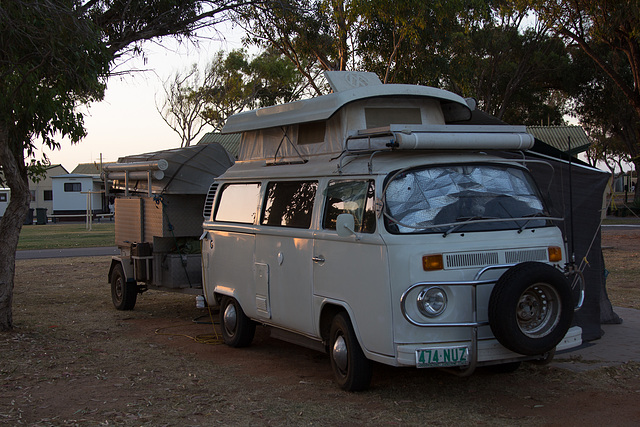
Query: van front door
x,y
353,271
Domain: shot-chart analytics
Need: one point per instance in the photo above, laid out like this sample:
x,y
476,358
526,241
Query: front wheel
x,y
351,368
237,329
123,293
531,308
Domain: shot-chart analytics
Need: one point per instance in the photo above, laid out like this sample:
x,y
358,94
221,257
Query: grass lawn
x,y
56,236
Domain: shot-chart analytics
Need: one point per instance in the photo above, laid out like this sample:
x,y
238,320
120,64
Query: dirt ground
x,y
75,360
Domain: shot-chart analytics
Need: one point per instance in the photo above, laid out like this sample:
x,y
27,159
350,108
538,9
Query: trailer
x,y
159,199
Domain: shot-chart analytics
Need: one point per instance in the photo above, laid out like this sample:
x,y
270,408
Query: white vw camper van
x,y
370,224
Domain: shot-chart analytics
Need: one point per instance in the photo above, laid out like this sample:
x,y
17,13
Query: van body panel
x,y
230,260
288,254
406,270
357,273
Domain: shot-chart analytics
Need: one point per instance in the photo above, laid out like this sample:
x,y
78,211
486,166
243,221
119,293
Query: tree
x,y
478,48
315,35
235,82
602,110
55,55
410,41
591,24
183,105
473,48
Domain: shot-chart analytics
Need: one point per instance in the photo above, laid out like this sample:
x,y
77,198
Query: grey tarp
x,y
581,227
191,169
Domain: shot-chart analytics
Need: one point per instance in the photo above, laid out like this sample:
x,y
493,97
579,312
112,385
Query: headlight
x,y
432,301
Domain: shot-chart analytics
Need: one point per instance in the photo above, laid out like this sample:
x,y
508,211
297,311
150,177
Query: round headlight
x,y
432,301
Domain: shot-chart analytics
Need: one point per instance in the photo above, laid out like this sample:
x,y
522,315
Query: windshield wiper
x,y
531,218
463,220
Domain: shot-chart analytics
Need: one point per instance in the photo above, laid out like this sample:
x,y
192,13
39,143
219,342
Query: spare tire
x,y
531,308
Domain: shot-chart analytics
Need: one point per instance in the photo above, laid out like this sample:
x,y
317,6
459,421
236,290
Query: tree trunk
x,y
15,174
636,194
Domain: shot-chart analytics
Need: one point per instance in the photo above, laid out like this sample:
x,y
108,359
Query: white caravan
x,y
365,223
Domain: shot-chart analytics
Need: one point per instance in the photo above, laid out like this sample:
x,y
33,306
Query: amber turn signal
x,y
432,262
555,254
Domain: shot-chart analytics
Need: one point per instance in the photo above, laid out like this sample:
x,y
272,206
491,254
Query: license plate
x,y
438,357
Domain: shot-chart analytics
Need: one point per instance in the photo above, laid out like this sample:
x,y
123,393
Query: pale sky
x,y
127,121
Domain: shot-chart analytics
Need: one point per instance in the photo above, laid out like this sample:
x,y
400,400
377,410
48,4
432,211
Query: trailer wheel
x,y
351,368
237,329
123,293
531,308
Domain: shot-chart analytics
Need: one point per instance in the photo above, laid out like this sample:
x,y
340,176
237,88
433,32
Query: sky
x,y
127,120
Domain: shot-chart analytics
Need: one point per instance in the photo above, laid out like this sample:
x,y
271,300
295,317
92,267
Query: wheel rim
x,y
339,353
118,289
230,319
538,310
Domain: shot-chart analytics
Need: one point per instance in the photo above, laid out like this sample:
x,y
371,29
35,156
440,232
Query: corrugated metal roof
x,y
191,170
87,169
558,137
230,142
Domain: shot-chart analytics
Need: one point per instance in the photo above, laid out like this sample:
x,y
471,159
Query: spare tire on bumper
x,y
531,308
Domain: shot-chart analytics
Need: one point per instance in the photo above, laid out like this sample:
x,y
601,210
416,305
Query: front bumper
x,y
484,351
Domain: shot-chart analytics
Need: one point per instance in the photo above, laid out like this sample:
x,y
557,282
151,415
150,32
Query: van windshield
x,y
444,199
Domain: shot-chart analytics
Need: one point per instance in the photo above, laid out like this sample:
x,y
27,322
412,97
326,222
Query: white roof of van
x,y
454,107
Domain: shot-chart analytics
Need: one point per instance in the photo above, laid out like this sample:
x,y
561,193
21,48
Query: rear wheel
x,y
237,329
123,293
351,368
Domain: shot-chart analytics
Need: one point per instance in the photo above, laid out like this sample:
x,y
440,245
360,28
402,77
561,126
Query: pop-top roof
x,y
454,107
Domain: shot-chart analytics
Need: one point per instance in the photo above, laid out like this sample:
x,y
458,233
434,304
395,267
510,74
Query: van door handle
x,y
319,259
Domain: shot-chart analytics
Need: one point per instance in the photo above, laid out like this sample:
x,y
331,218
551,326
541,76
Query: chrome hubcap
x,y
339,353
230,319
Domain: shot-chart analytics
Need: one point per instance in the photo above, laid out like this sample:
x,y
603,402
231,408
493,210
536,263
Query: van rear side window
x,y
354,197
238,203
289,203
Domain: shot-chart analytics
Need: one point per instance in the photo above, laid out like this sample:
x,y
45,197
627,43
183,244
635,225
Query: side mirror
x,y
345,224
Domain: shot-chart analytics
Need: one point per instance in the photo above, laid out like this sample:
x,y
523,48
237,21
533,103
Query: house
x,y
5,195
42,191
76,193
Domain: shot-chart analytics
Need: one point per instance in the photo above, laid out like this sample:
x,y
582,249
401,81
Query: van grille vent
x,y
472,259
208,203
513,257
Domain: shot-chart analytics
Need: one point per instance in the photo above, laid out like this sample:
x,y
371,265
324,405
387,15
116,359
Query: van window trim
x,y
263,202
220,192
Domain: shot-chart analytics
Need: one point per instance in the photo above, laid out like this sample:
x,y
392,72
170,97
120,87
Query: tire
x,y
352,370
237,329
123,293
531,308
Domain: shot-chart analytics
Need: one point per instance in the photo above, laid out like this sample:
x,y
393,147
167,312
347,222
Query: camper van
x,y
373,224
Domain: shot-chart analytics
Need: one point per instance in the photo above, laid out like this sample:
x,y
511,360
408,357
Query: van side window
x,y
354,197
289,203
238,203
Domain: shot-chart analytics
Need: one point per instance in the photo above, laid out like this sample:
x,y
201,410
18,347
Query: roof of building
x,y
559,137
75,175
88,169
230,142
